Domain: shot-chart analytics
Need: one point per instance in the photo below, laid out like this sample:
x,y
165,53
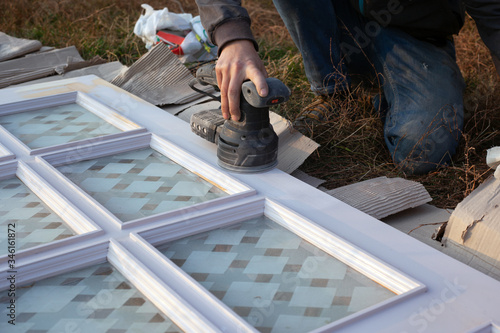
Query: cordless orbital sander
x,y
250,144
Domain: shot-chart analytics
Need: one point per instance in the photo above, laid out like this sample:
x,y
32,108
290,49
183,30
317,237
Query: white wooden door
x,y
116,218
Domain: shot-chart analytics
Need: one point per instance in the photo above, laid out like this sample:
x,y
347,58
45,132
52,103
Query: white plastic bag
x,y
199,30
153,20
195,47
204,50
190,45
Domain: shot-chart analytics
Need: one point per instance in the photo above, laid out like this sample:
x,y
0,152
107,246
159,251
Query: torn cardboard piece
x,y
473,230
44,49
308,179
51,59
159,78
8,78
382,196
293,147
477,219
12,47
472,258
75,64
35,66
422,223
107,71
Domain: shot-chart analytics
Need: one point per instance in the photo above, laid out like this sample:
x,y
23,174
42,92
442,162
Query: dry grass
x,y
352,148
95,27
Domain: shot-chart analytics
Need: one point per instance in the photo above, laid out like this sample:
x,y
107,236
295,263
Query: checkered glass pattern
x,y
56,125
272,278
96,299
140,183
35,223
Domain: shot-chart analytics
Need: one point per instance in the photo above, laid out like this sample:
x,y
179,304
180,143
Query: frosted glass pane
x,y
140,183
96,299
272,278
33,222
56,125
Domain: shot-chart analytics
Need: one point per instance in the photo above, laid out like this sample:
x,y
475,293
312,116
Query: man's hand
x,y
238,62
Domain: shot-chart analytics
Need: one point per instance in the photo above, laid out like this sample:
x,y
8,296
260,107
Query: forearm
x,y
228,27
225,21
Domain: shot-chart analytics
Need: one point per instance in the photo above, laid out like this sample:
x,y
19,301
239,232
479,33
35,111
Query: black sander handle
x,y
206,76
278,93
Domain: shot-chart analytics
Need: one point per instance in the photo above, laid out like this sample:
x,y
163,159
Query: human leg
x,y
317,28
423,88
422,84
422,92
314,28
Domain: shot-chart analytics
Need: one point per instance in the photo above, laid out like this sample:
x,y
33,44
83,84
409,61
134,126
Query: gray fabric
x,y
215,14
12,47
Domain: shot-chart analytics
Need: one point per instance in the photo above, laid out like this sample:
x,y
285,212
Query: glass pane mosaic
x,y
56,125
272,278
34,223
140,183
96,299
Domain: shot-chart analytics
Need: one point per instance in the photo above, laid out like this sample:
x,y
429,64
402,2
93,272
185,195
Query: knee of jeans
x,y
421,142
421,155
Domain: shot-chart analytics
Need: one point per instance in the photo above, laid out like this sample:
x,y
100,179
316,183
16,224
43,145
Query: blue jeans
x,y
421,82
